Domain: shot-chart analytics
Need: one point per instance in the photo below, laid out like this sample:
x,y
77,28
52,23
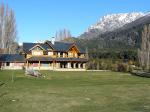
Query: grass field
x,y
74,92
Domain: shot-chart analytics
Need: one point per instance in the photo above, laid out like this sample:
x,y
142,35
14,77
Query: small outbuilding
x,y
12,61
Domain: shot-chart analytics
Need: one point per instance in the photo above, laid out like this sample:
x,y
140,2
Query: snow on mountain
x,y
114,21
110,23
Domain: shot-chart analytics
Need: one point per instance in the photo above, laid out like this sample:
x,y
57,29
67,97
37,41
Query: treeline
x,y
114,54
116,60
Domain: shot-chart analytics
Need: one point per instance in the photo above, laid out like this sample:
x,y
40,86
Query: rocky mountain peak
x,y
111,22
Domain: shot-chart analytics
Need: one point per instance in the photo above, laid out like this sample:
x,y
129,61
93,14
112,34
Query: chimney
x,y
53,40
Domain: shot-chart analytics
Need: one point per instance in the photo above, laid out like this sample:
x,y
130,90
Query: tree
x,y
8,31
62,34
144,51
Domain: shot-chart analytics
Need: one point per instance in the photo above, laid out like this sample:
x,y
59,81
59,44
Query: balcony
x,y
58,55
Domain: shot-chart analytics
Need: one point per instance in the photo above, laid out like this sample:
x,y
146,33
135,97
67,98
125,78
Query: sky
x,y
40,19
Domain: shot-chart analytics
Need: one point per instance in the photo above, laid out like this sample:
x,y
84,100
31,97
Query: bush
x,y
121,67
130,69
109,64
114,67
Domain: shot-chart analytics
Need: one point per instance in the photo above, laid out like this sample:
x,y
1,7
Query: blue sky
x,y
40,19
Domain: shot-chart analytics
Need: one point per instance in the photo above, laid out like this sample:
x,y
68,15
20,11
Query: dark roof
x,y
62,46
82,50
57,46
49,43
12,58
28,46
40,59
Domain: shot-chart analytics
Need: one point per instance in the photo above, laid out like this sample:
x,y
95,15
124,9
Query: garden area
x,y
74,92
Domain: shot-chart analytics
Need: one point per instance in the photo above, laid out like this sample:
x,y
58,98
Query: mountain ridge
x,y
126,37
109,23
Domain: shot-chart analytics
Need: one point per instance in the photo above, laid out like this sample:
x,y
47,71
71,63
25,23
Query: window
x,y
50,53
7,64
70,54
37,53
45,52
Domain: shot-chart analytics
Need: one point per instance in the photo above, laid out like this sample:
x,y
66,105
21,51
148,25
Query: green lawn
x,y
74,92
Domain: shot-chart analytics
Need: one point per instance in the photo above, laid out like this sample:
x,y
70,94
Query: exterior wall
x,y
14,66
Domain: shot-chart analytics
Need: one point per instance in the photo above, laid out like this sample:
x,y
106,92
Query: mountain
x,y
126,37
110,23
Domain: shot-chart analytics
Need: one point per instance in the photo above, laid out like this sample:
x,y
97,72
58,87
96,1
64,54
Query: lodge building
x,y
49,55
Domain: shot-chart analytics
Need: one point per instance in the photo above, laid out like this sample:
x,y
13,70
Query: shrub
x,y
114,67
121,67
130,69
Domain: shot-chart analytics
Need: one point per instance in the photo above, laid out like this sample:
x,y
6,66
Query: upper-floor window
x,y
37,51
70,54
50,53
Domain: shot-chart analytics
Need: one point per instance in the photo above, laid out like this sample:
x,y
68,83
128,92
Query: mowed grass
x,y
74,92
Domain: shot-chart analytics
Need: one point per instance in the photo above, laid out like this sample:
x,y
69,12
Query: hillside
x,y
126,37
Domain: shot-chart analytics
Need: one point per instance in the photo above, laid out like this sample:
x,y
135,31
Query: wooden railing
x,y
56,56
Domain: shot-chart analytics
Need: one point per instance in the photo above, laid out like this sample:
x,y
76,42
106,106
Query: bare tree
x,y
62,34
144,51
1,25
8,32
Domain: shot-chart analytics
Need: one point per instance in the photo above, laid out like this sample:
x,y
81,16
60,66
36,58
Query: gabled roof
x,y
73,45
80,49
12,58
28,46
49,43
64,46
57,46
37,45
